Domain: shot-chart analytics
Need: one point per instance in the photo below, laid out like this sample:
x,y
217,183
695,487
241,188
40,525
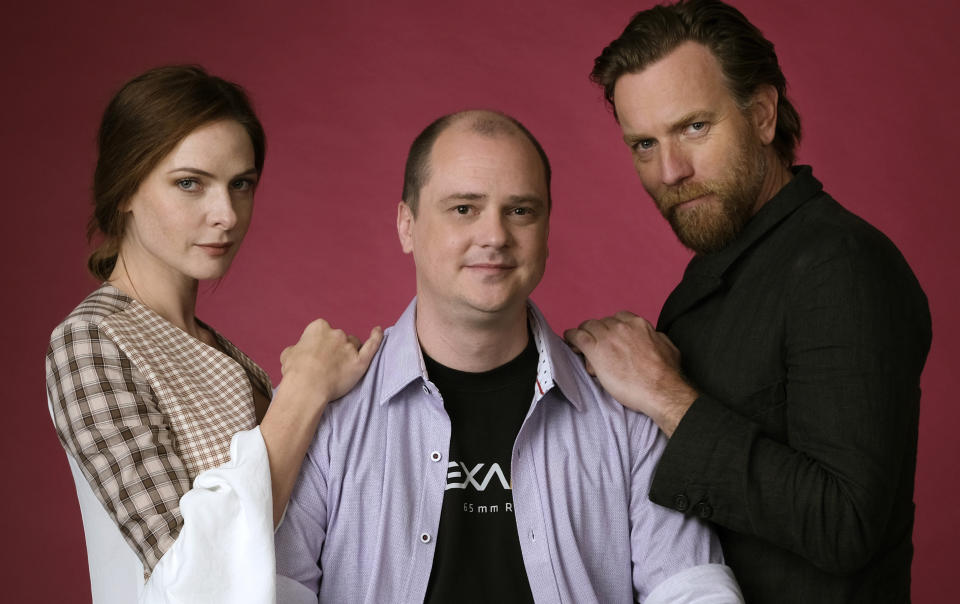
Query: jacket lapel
x,y
688,292
705,274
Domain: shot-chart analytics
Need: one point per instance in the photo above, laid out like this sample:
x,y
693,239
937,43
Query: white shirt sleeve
x,y
703,584
224,552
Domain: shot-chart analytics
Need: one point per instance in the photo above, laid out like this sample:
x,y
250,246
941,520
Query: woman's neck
x,y
171,295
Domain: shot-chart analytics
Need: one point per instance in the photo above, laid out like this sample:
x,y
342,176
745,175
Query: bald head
x,y
487,123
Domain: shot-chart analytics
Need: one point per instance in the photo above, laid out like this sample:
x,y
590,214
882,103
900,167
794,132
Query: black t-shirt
x,y
477,558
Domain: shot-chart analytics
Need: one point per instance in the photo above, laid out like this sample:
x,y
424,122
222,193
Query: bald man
x,y
477,461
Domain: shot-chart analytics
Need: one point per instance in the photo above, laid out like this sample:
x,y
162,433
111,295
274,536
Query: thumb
x,y
589,367
366,352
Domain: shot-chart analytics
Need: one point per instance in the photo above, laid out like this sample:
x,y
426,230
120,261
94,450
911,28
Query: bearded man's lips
x,y
672,206
694,201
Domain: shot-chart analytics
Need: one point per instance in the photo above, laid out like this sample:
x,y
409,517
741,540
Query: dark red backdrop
x,y
343,89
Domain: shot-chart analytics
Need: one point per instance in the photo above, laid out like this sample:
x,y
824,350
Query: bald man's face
x,y
479,240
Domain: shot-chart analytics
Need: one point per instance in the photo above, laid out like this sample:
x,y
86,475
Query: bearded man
x,y
792,413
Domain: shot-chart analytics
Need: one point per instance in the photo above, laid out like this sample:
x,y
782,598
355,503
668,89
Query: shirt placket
x,y
434,458
528,508
527,484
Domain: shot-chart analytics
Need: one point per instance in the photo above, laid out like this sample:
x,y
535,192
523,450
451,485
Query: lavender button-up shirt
x,y
361,525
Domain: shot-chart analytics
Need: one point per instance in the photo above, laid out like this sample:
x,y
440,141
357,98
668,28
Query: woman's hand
x,y
324,365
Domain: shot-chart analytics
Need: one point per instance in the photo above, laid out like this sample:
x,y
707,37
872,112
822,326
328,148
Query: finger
x,y
338,336
666,341
589,367
588,323
366,352
283,356
669,350
579,338
612,323
317,326
354,341
595,327
625,316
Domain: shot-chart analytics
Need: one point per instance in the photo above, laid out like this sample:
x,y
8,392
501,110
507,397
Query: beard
x,y
710,226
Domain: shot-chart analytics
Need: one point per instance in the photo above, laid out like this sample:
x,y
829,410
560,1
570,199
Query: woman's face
x,y
189,216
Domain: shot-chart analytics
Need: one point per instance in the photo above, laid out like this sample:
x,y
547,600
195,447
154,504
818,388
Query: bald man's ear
x,y
763,112
405,226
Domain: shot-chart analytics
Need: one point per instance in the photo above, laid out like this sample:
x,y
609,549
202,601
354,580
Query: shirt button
x,y
426,389
533,536
435,456
681,503
424,538
704,510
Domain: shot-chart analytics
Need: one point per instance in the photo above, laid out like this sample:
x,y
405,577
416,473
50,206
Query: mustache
x,y
676,195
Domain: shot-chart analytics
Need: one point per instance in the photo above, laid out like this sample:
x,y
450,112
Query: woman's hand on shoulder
x,y
326,363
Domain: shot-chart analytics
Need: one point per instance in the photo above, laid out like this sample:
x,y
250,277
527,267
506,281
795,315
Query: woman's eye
x,y
242,184
188,184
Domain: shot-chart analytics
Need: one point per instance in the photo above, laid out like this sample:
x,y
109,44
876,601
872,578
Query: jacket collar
x,y
705,273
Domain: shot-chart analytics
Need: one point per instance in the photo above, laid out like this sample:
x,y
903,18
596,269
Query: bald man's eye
x,y
464,209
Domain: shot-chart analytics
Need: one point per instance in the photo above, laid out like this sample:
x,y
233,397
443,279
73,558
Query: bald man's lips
x,y
491,268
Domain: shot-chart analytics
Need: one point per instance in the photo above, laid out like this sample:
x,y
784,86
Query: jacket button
x,y
681,503
704,510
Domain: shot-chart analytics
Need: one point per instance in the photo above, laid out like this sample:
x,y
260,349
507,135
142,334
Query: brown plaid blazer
x,y
144,407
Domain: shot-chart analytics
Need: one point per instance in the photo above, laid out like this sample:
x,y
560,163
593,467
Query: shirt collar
x,y
554,368
401,348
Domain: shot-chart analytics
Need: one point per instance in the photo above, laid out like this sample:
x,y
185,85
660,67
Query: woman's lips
x,y
215,249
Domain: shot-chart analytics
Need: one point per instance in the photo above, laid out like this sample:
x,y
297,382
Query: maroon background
x,y
343,90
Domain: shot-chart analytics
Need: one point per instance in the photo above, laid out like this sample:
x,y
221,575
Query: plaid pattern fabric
x,y
143,407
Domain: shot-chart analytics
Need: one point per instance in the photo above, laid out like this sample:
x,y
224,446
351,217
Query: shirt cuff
x,y
704,584
224,552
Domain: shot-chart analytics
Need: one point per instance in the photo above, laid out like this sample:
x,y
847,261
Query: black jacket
x,y
806,337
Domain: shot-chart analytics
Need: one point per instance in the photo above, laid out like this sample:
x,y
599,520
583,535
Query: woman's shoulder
x,y
85,320
101,303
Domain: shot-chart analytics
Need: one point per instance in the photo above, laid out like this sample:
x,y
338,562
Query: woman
x,y
149,400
